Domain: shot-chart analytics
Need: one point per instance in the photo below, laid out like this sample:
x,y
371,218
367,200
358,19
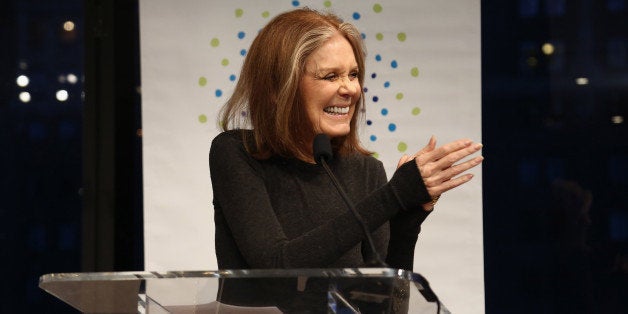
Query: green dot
x,y
416,111
401,147
239,12
376,155
265,14
401,36
377,8
327,4
414,72
215,42
202,118
224,62
379,36
202,81
399,96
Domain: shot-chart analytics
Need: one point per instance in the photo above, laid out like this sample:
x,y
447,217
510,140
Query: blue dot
x,y
374,75
241,35
243,52
378,58
373,138
369,122
392,127
386,84
375,98
384,111
363,36
394,64
356,15
218,93
295,3
232,77
365,89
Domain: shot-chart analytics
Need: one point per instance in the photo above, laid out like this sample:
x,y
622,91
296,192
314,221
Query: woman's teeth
x,y
337,110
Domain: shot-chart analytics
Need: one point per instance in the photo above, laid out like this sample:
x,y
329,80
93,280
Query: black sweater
x,y
286,213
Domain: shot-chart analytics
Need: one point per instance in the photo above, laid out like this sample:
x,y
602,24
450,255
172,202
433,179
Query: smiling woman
x,y
330,87
273,206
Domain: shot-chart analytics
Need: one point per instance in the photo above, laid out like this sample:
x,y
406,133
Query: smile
x,y
336,110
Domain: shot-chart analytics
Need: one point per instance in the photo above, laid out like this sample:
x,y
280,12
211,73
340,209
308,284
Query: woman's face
x,y
330,88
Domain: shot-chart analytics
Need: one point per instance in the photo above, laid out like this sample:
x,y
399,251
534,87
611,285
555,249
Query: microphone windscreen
x,y
322,148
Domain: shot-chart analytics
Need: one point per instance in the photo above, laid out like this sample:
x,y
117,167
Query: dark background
x,y
555,175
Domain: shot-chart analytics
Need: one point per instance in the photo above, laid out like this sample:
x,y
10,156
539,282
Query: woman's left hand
x,y
439,167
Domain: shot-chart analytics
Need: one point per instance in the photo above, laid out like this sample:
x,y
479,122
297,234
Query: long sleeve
x,y
251,225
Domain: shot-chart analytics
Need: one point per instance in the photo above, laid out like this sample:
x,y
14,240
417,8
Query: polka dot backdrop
x,y
423,79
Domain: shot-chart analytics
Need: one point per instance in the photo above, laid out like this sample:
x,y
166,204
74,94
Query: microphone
x,y
324,153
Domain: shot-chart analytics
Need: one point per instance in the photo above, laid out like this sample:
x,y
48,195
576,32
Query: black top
x,y
286,213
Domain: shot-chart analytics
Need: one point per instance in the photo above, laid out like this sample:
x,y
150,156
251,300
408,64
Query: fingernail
x,y
478,145
479,159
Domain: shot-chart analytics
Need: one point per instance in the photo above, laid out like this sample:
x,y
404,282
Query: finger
x,y
454,157
431,144
453,171
450,184
403,160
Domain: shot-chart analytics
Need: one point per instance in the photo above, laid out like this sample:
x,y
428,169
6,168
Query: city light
x,y
547,49
617,119
72,79
22,81
582,81
25,97
62,95
68,26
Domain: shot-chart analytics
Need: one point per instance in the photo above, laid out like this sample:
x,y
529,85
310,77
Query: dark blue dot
x,y
392,127
373,138
374,75
365,89
369,122
218,93
378,58
295,3
232,77
243,52
386,84
375,98
384,111
241,35
394,64
356,15
363,36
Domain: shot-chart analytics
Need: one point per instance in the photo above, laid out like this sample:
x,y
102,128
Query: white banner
x,y
423,79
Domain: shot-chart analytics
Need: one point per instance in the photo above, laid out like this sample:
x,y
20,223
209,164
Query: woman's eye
x,y
353,75
331,77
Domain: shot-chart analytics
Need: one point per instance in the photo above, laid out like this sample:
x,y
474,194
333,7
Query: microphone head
x,y
322,148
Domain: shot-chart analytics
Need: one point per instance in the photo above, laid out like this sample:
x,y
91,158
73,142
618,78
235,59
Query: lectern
x,y
354,290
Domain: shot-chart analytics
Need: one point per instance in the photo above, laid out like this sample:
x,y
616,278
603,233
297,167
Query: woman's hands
x,y
440,168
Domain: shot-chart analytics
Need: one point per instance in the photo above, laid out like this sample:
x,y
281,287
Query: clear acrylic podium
x,y
354,290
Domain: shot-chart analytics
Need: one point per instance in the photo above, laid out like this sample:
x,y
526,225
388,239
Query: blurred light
x,y
547,49
22,81
72,79
582,81
532,62
23,65
25,97
62,95
68,26
61,78
617,119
